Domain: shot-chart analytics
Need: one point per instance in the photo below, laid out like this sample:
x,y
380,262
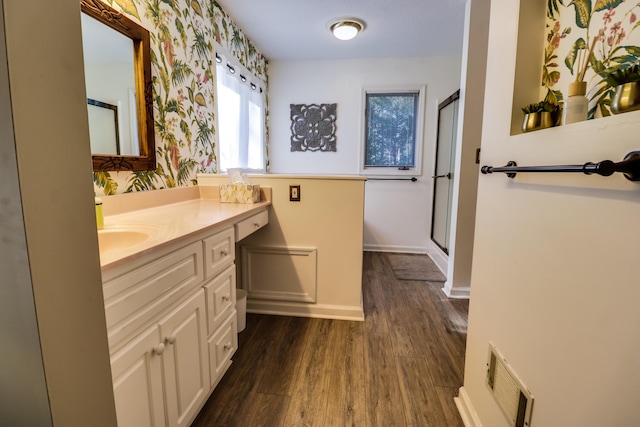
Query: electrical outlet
x,y
294,193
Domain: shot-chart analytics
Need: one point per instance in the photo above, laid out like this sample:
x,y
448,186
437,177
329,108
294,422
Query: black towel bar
x,y
412,179
630,167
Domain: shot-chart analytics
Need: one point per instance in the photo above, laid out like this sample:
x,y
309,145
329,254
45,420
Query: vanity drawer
x,y
251,224
222,345
139,295
221,297
219,252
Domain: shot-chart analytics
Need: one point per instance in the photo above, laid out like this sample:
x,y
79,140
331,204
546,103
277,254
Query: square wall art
x,y
313,127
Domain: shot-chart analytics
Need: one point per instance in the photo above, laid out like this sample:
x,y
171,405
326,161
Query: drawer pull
x,y
226,298
227,347
171,339
158,350
256,225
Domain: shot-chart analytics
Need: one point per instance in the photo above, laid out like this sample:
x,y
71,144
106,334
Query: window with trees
x,y
393,131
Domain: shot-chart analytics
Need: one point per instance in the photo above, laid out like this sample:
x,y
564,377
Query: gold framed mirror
x,y
135,107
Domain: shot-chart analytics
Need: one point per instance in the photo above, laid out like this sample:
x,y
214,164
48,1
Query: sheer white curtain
x,y
241,134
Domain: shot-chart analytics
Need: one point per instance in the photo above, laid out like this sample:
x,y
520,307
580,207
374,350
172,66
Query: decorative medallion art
x,y
313,127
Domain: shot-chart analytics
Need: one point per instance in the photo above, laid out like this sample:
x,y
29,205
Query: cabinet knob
x,y
227,347
226,298
171,339
256,225
224,252
158,350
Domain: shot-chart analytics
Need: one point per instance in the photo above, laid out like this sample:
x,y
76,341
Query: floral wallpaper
x,y
571,27
182,54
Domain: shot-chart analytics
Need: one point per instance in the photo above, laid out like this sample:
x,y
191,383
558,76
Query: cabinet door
x,y
222,345
185,362
219,252
137,381
221,297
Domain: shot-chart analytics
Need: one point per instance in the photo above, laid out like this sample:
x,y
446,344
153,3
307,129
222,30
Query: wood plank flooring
x,y
402,366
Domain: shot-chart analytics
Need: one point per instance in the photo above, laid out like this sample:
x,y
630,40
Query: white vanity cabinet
x,y
137,381
222,322
170,308
220,292
173,349
185,362
172,329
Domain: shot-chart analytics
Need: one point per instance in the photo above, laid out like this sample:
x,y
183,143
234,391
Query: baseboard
x,y
440,259
319,311
396,249
457,292
465,408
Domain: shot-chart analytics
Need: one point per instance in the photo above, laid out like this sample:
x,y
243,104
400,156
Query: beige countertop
x,y
159,225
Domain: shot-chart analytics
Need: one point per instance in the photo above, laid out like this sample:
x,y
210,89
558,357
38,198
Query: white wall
x,y
53,163
554,284
110,83
465,180
23,390
397,214
328,220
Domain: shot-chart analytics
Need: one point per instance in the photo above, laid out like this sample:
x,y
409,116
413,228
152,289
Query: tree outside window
x,y
392,131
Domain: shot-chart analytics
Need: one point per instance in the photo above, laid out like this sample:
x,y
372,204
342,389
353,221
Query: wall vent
x,y
512,396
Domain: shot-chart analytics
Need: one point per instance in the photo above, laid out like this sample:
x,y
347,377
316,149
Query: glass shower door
x,y
444,169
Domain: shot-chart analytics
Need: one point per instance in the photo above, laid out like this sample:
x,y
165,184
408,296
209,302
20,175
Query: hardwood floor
x,y
402,366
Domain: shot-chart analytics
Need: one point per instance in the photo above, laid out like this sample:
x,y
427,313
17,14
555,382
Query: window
x,y
393,131
241,119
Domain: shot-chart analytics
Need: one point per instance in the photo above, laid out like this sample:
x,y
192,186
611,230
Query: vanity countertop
x,y
164,224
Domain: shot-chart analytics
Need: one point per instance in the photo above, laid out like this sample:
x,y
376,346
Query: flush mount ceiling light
x,y
346,28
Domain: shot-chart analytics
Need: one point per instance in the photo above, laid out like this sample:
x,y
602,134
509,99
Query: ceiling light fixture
x,y
346,28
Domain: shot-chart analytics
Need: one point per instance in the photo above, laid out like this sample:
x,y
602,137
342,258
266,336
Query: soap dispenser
x,y
99,214
576,106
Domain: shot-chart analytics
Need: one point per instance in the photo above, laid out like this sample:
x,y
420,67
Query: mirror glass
x,y
111,90
118,85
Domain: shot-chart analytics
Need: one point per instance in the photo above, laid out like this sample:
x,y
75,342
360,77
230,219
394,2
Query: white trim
x,y
204,177
438,256
397,249
307,275
465,408
441,260
420,139
319,311
457,292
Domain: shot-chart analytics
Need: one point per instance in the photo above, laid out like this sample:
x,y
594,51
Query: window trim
x,y
372,171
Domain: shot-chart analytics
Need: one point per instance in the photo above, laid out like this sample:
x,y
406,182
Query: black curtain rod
x,y
412,179
630,167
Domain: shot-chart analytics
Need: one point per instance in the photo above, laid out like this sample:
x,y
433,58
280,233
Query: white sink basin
x,y
116,239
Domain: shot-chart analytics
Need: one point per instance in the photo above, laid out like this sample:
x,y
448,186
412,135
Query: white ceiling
x,y
298,29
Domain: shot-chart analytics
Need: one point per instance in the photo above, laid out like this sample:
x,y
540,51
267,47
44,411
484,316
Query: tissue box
x,y
239,193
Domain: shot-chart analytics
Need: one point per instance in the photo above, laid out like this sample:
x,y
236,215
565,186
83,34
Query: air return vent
x,y
512,396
